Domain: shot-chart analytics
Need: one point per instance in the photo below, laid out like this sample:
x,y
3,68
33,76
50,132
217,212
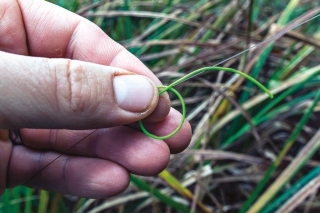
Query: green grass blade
x,y
264,55
314,72
175,184
289,192
228,12
304,155
28,203
6,201
160,196
16,195
264,115
43,201
298,58
127,21
166,30
268,195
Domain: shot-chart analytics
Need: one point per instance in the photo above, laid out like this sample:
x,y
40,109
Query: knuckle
x,y
77,82
72,87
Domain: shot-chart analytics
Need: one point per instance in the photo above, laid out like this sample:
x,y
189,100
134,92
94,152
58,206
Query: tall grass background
x,y
248,153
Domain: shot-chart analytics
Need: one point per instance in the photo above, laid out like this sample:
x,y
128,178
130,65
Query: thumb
x,y
62,93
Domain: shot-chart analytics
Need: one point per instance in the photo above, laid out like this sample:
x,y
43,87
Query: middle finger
x,y
130,148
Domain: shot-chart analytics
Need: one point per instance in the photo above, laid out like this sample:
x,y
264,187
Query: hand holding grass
x,y
48,89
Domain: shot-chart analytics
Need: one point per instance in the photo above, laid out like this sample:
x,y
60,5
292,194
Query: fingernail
x,y
133,92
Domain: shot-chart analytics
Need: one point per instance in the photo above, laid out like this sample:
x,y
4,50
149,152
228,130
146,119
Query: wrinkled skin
x,y
50,91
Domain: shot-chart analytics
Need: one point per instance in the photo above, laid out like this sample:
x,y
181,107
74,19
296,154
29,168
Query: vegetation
x,y
248,153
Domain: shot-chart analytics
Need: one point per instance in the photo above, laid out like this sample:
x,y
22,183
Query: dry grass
x,y
238,133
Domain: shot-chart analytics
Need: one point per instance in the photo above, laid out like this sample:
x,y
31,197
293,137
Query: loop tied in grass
x,y
163,89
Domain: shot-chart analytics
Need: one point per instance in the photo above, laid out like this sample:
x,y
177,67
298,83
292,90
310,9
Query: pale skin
x,y
60,75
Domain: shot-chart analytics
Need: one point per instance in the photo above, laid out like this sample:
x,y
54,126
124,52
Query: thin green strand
x,y
207,69
145,131
164,89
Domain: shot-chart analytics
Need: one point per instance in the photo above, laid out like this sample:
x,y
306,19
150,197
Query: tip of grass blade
x,y
270,95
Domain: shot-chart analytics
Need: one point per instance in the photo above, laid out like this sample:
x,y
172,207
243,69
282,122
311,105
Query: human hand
x,y
55,102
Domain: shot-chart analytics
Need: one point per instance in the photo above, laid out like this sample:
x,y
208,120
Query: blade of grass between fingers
x,y
271,191
156,193
183,191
